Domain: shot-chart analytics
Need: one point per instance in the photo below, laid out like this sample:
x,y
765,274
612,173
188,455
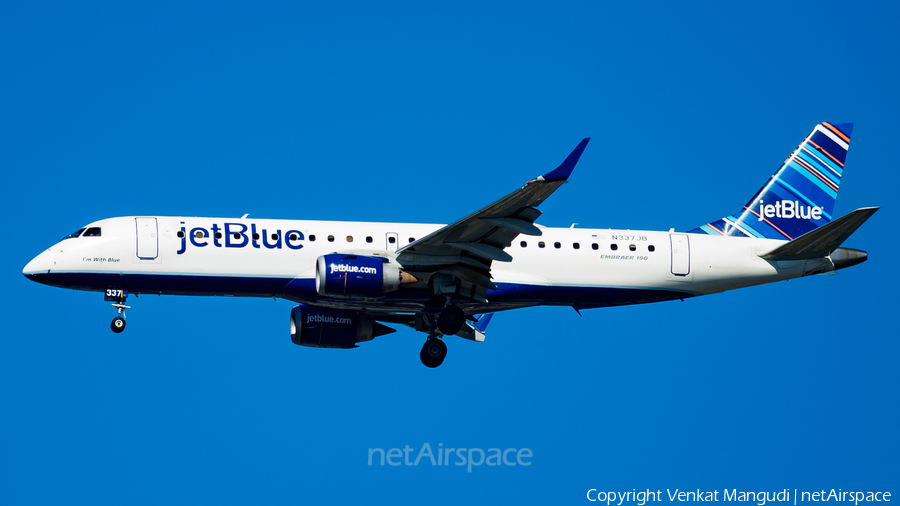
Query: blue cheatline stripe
x,y
304,289
822,159
816,181
833,177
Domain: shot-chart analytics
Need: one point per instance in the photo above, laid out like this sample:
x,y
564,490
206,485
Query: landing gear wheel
x,y
118,324
451,320
433,353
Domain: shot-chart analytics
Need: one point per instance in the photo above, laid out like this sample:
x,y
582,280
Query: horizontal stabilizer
x,y
822,241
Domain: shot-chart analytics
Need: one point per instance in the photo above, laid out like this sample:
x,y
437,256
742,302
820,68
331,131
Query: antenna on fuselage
x,y
245,215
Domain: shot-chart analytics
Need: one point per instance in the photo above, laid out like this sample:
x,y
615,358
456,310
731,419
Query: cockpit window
x,y
73,235
92,232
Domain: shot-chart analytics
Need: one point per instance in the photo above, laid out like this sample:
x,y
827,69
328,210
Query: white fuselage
x,y
575,266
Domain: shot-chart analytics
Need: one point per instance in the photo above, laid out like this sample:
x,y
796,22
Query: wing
x,y
459,256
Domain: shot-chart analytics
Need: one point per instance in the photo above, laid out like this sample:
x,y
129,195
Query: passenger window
x,y
293,237
412,240
613,247
330,238
73,235
392,240
255,236
199,235
218,235
557,245
651,248
312,238
632,247
523,244
237,235
576,245
541,244
595,246
369,239
180,234
349,238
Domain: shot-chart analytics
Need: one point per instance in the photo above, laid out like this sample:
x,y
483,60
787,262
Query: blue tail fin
x,y
800,196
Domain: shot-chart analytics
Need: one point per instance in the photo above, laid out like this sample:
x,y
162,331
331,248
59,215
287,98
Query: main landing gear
x,y
449,321
433,353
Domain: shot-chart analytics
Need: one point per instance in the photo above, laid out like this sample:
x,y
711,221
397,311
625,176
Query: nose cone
x,y
40,264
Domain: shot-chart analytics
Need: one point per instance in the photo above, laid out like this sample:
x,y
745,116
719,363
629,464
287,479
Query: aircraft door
x,y
147,238
681,254
391,241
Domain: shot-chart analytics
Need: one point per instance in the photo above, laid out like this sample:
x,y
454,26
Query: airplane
x,y
350,279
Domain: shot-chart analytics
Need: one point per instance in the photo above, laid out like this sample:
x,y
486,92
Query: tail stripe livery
x,y
837,131
813,159
800,196
821,174
824,240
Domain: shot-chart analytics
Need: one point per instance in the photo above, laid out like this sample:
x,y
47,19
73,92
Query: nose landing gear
x,y
118,324
118,298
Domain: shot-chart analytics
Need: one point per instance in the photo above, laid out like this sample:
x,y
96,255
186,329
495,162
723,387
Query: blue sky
x,y
415,112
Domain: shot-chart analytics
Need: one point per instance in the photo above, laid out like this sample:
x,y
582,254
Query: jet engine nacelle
x,y
333,328
357,276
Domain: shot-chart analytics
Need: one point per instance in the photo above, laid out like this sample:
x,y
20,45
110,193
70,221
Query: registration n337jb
x,y
353,279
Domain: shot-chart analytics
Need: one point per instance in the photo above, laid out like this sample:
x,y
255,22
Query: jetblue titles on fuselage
x,y
234,235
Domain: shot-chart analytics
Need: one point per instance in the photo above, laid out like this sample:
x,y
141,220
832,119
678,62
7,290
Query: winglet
x,y
562,172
